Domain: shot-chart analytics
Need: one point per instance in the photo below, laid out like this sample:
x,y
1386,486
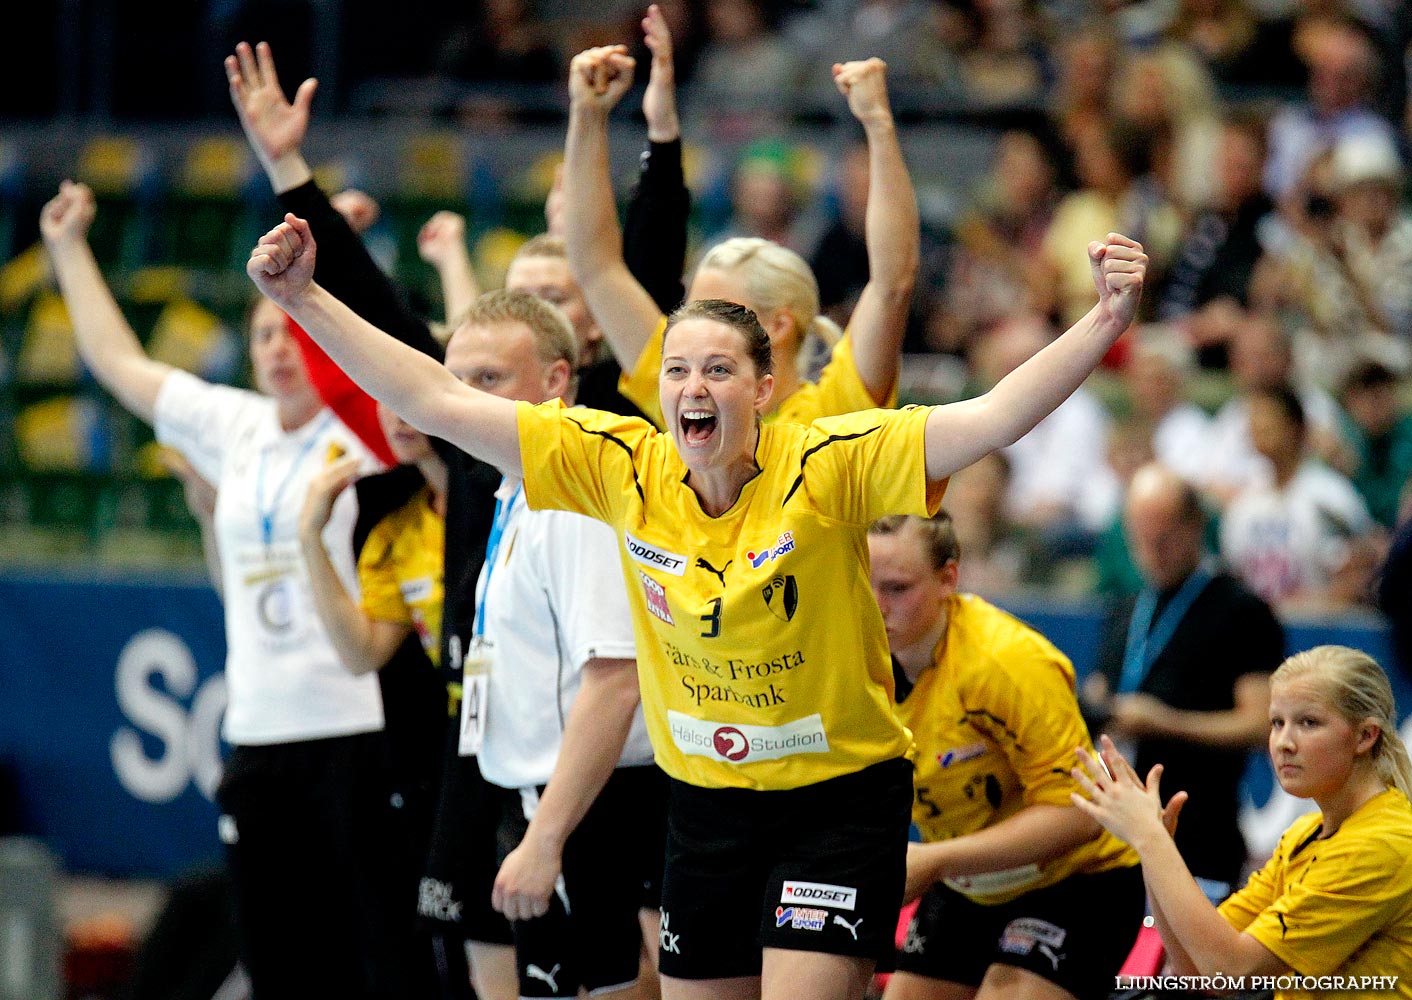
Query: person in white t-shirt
x,y
307,817
550,703
1305,538
1261,358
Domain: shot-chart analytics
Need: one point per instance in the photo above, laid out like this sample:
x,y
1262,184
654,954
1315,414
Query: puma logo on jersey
x,y
719,574
851,928
535,972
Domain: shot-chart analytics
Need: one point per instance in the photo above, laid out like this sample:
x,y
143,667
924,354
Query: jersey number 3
x,y
712,620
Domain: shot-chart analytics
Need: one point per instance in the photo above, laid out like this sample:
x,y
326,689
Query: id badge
x,y
273,591
475,685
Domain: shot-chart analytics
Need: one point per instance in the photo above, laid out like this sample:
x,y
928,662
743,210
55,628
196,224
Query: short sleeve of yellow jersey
x,y
1346,897
1024,702
378,577
840,388
581,460
861,466
639,386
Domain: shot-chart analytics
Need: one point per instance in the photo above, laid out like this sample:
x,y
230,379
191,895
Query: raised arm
x,y
363,644
1132,811
274,125
417,387
598,78
441,242
275,128
106,342
961,433
893,232
659,205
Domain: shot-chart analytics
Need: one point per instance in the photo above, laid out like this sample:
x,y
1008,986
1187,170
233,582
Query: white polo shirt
x,y
285,681
1283,541
554,600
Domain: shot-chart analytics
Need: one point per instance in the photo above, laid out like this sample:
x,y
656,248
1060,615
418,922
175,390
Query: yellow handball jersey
x,y
1340,906
761,652
840,388
400,570
996,722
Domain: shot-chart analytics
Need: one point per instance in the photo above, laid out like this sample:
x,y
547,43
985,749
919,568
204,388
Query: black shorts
x,y
818,868
319,865
1075,933
453,898
591,936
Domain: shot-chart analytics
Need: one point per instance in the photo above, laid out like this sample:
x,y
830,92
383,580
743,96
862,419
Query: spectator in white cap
x,y
1348,280
1343,70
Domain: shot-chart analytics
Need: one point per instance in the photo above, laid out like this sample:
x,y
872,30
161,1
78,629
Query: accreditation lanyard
x,y
1146,640
504,510
268,513
475,669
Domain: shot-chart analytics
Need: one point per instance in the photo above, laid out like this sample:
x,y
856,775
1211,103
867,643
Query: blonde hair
x,y
778,278
553,334
543,245
1358,689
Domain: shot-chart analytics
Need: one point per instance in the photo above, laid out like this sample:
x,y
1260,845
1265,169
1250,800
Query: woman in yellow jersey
x,y
762,657
1009,868
1331,912
767,278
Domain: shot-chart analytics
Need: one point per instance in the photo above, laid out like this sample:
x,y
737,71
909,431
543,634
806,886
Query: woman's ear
x,y
764,389
1368,735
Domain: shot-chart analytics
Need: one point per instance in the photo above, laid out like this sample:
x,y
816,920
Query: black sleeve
x,y
654,232
347,270
1395,595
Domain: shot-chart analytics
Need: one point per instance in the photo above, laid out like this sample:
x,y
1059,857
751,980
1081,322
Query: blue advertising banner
x,y
111,696
112,691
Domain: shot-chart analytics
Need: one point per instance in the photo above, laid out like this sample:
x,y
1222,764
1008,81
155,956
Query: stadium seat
x,y
120,171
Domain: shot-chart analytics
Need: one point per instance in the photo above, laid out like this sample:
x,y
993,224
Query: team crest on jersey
x,y
783,544
656,598
781,596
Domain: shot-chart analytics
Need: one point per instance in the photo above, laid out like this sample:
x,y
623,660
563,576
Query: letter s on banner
x,y
158,713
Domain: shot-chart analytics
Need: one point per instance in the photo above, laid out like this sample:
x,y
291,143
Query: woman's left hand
x,y
1127,807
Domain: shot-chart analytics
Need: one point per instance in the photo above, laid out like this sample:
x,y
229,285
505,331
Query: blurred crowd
x,y
1257,149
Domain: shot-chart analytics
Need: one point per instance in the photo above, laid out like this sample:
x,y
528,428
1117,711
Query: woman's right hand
x,y
282,263
659,101
324,489
442,239
274,125
599,77
66,217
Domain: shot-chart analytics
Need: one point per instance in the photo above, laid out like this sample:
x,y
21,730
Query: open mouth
x,y
697,426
